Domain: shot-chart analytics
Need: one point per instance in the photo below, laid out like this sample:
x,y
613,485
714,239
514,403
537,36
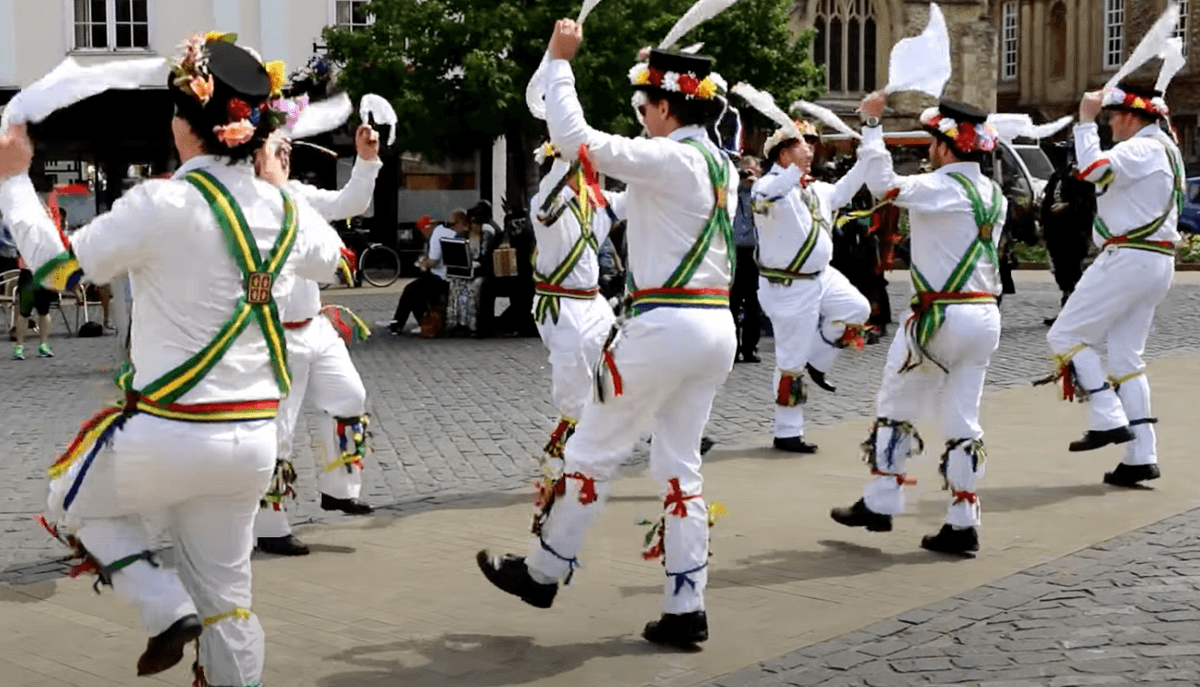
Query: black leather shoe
x,y
683,630
706,445
510,574
859,515
1049,321
347,506
287,545
165,650
950,540
794,445
818,378
1094,439
748,358
1130,475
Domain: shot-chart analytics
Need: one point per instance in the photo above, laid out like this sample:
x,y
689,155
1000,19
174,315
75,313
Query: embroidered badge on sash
x,y
985,231
258,288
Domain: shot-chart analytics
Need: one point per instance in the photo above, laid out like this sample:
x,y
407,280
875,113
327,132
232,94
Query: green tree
x,y
456,70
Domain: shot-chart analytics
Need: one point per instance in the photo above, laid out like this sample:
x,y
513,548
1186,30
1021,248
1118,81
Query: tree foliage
x,y
456,70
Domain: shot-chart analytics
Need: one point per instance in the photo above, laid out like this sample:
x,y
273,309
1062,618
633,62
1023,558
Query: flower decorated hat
x,y
217,83
1127,97
784,136
689,75
962,127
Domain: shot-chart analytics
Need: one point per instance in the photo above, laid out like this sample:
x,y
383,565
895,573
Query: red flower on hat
x,y
688,84
656,76
965,141
238,110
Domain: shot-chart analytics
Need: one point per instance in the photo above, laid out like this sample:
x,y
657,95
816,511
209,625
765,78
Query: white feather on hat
x,y
699,13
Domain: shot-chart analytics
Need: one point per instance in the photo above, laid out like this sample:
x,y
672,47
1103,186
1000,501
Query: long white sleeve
x,y
351,200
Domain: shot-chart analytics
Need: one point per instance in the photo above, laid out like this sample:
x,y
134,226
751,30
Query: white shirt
x,y
669,195
941,222
783,219
555,241
434,253
184,279
304,301
1133,180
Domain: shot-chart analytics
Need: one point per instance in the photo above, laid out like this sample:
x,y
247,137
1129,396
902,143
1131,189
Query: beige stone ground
x,y
398,601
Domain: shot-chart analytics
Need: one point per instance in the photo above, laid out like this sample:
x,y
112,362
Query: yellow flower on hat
x,y
277,71
1139,103
220,36
642,78
707,89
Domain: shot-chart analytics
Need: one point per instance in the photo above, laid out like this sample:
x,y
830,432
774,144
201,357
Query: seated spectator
x,y
41,299
430,287
462,307
517,318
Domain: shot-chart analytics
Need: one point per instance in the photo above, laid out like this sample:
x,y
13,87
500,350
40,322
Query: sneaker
x,y
44,351
18,352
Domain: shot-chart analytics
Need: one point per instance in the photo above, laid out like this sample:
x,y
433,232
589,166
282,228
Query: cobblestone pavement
x,y
1124,612
462,417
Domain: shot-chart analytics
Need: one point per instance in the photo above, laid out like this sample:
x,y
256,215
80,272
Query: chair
x,y
8,296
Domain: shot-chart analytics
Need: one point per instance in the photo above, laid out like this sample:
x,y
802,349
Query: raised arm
x,y
773,186
633,160
351,200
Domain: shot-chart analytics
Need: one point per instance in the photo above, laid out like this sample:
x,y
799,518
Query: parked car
x,y
1189,221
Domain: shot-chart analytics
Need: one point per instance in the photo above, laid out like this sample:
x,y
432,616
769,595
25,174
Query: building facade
x,y
1052,51
853,39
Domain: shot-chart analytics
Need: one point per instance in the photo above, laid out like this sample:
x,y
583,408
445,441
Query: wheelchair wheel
x,y
379,265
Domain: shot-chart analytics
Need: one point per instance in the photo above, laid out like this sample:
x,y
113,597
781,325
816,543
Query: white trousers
x,y
964,345
321,371
203,481
808,317
671,362
1111,312
574,343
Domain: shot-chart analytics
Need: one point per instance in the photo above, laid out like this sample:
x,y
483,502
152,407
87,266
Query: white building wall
x,y
35,35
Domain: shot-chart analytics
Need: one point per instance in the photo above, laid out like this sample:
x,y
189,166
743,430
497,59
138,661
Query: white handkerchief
x,y
70,83
922,63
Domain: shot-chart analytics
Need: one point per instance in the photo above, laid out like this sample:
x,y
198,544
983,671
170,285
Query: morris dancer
x,y
955,215
194,435
320,364
572,317
814,309
660,368
1140,185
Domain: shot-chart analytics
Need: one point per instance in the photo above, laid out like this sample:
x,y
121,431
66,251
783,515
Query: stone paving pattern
x,y
1125,612
455,418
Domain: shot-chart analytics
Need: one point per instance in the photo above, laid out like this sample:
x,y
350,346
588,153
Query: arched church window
x,y
845,44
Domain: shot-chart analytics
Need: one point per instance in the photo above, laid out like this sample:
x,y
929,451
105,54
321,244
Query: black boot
x,y
859,515
1130,475
165,650
683,630
963,542
510,574
347,506
794,445
818,378
1094,439
287,545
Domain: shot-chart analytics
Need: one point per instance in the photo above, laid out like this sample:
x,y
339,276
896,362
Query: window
x,y
111,25
1058,41
1009,23
1114,33
845,44
1181,28
352,14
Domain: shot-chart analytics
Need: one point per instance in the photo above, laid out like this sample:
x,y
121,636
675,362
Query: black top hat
x,y
1140,91
699,66
961,112
241,71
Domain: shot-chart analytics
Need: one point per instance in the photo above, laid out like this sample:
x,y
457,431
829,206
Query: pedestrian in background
x,y
743,296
